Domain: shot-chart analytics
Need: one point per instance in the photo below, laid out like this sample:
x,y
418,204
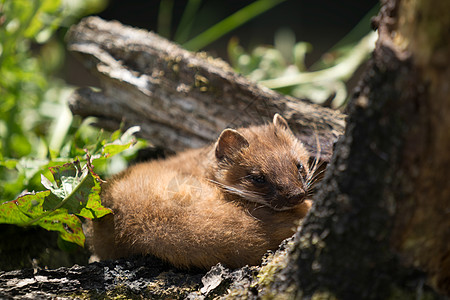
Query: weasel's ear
x,y
280,122
229,142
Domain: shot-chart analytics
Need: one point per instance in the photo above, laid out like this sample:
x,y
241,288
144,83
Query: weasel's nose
x,y
296,197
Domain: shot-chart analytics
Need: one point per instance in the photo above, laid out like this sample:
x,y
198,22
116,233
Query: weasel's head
x,y
264,164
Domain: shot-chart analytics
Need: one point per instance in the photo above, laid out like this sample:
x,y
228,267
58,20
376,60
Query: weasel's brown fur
x,y
229,202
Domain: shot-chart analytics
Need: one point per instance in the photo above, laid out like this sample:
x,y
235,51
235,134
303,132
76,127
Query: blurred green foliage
x,y
38,134
29,55
36,127
282,66
226,25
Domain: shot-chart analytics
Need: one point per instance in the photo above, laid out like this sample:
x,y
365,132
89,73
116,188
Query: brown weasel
x,y
229,202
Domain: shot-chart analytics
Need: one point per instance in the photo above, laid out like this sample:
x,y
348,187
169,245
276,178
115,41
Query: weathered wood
x,y
180,99
144,276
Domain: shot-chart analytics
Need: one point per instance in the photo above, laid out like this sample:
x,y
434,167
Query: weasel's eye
x,y
258,179
301,170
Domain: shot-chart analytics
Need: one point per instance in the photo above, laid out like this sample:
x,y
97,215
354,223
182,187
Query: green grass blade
x,y
165,18
230,23
184,28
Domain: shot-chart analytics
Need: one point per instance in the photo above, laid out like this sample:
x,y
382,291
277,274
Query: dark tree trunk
x,y
380,227
382,214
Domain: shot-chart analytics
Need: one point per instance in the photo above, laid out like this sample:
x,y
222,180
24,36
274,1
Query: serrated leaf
x,y
76,191
90,190
28,210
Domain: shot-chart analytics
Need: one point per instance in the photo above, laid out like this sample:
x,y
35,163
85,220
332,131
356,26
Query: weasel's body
x,y
229,202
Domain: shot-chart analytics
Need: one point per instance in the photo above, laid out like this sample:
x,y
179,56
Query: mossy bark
x,y
380,227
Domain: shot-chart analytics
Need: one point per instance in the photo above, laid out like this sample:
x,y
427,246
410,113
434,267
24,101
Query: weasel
x,y
229,202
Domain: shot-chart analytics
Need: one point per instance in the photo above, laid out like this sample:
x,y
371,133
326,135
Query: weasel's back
x,y
177,218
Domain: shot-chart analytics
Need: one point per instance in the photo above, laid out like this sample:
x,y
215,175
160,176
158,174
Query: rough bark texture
x,y
133,278
180,99
422,225
381,217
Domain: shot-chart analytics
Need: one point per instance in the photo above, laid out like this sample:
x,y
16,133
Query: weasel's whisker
x,y
314,178
319,151
312,186
313,182
314,173
316,165
256,208
248,195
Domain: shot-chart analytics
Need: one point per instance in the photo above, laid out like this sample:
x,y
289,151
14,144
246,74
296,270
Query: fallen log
x,y
179,98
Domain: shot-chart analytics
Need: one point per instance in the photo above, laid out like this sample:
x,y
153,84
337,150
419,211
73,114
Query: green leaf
x,y
68,226
74,192
121,144
230,23
116,134
28,210
9,163
64,175
79,188
22,210
113,149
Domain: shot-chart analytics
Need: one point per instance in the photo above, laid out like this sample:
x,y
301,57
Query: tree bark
x,y
139,277
180,99
382,215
